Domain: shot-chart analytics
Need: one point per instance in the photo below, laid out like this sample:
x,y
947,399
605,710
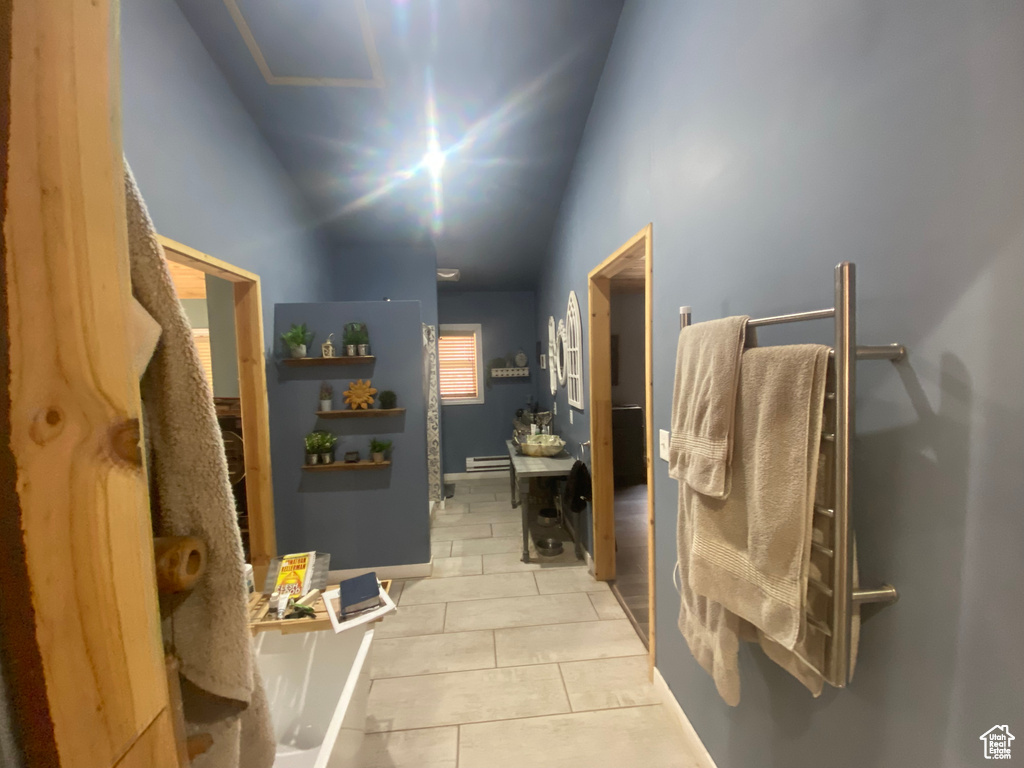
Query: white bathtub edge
x,y
345,699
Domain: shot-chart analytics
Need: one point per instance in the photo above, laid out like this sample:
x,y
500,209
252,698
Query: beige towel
x,y
208,631
751,552
704,403
712,633
806,660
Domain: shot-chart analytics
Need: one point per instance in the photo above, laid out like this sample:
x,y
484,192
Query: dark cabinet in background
x,y
629,445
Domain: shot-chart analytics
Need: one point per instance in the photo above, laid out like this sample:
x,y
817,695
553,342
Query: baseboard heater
x,y
487,463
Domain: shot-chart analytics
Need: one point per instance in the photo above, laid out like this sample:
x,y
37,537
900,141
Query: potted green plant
x,y
297,337
362,340
327,443
357,339
351,338
326,396
313,448
388,399
378,448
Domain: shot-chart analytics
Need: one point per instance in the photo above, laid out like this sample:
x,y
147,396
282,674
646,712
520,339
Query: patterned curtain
x,y
432,396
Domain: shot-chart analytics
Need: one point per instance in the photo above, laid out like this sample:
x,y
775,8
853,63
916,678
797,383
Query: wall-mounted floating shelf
x,y
346,466
369,413
346,360
509,373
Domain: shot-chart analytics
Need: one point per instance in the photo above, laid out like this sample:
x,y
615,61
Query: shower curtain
x,y
432,396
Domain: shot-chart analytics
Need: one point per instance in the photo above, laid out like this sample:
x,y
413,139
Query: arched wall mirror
x,y
552,358
574,352
560,352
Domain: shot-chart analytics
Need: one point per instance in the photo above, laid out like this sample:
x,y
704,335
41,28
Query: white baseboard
x,y
696,747
411,571
454,477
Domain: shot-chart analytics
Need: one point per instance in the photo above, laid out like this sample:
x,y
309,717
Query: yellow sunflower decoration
x,y
359,395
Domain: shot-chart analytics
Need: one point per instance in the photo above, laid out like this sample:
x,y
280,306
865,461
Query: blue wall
x,y
364,519
767,142
207,175
508,325
375,272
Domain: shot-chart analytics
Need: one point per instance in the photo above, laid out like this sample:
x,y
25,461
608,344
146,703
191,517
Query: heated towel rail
x,y
840,401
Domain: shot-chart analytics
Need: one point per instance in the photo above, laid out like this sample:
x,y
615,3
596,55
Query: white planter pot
x,y
350,350
378,458
325,405
298,351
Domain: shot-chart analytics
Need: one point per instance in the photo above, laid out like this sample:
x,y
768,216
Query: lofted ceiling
x,y
401,121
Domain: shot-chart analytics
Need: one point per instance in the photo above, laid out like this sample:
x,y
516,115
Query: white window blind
x,y
459,365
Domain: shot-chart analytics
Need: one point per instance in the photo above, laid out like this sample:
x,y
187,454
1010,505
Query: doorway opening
x,y
621,398
231,350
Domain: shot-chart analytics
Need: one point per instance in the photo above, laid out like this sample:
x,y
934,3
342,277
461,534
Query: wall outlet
x,y
570,415
663,444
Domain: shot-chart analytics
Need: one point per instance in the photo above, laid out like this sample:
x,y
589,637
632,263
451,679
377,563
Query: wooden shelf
x,y
369,413
342,466
510,373
346,360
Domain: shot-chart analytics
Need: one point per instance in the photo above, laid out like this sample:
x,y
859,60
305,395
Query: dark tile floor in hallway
x,y
631,567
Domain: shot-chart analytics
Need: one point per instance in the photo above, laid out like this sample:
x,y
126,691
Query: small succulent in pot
x,y
327,443
297,337
312,441
326,396
388,399
378,449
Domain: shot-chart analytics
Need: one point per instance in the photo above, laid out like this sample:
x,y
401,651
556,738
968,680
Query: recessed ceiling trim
x,y
324,82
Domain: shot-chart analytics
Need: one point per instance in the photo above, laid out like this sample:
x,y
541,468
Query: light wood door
x,y
93,690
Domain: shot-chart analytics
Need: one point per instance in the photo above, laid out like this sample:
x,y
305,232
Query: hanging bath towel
x,y
208,631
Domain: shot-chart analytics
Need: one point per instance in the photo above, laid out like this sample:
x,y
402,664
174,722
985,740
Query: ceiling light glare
x,y
433,161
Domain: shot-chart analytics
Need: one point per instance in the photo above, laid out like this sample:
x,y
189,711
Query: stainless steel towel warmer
x,y
840,400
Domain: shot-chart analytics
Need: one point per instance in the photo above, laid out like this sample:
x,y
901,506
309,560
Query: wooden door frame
x,y
252,390
80,625
599,291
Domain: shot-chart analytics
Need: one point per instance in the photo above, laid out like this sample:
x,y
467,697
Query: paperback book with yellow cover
x,y
295,575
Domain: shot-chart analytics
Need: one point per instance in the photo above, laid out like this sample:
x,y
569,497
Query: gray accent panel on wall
x,y
369,518
507,320
767,142
220,306
627,322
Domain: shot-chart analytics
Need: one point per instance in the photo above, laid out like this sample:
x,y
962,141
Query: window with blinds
x,y
459,364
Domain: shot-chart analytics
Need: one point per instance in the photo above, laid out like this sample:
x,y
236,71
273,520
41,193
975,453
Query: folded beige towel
x,y
751,551
209,630
712,633
704,403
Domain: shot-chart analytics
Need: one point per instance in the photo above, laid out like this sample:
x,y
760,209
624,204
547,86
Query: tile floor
x,y
493,662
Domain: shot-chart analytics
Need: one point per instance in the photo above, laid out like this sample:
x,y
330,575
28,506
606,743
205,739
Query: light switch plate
x,y
663,444
570,415
554,408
